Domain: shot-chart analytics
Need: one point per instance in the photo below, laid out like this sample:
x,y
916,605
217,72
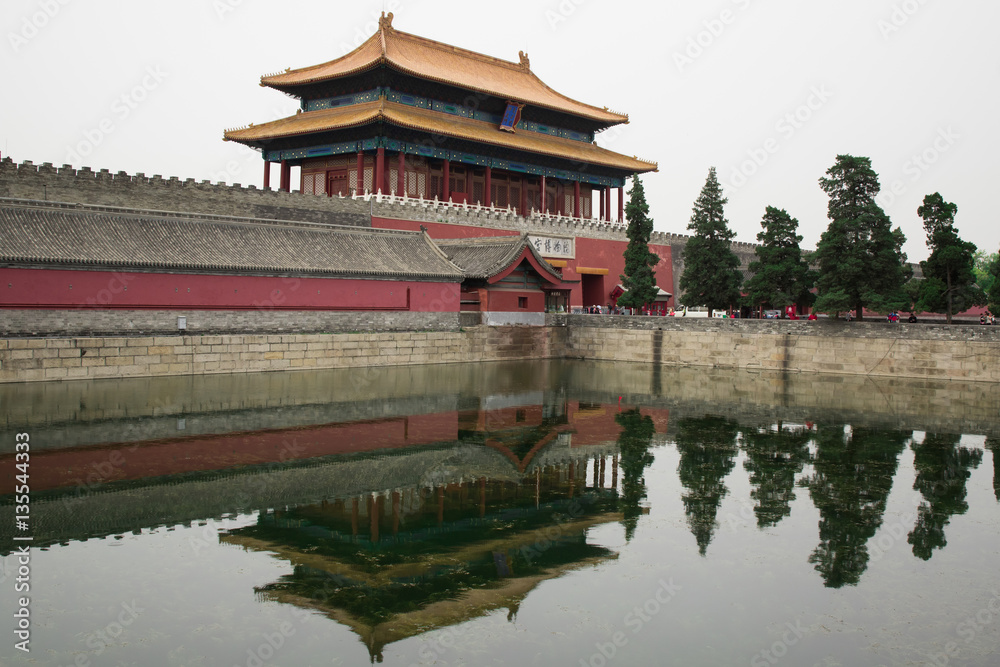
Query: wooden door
x,y
338,183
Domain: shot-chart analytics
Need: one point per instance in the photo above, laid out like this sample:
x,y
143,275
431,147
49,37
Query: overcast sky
x,y
767,91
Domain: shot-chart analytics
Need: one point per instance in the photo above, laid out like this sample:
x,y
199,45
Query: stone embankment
x,y
872,349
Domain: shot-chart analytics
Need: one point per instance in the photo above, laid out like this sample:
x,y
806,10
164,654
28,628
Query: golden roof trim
x,y
402,52
458,127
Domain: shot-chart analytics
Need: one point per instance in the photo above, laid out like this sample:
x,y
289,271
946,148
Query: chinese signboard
x,y
553,246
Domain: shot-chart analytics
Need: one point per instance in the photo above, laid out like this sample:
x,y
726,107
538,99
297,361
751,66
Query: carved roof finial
x,y
385,23
525,63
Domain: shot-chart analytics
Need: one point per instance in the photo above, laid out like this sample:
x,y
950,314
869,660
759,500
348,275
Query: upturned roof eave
x,y
381,57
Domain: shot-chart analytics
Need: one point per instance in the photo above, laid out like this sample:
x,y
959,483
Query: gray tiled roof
x,y
485,257
92,236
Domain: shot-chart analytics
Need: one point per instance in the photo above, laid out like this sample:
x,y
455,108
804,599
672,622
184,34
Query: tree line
x,y
858,264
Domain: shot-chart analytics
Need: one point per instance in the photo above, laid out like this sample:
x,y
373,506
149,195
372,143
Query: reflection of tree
x,y
774,458
942,470
850,486
993,444
707,447
633,443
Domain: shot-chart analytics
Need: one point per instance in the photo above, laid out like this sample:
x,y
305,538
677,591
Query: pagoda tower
x,y
410,116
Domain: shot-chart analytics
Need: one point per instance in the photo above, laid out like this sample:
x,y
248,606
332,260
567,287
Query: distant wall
x,y
821,346
84,186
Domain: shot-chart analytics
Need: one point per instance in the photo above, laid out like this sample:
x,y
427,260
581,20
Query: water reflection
x,y
775,457
993,444
404,501
707,447
942,472
853,473
390,567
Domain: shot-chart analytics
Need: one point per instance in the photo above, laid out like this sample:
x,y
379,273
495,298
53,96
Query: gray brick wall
x,y
16,322
138,191
823,327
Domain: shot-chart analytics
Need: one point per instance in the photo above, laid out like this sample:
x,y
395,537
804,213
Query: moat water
x,y
548,513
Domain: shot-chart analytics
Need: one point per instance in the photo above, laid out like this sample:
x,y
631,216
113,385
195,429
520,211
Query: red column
x,y
380,169
602,203
544,200
576,199
524,196
445,177
286,176
267,174
607,203
401,175
621,205
488,195
361,173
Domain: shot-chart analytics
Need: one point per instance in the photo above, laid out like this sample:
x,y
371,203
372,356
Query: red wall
x,y
50,288
89,466
504,301
610,255
591,253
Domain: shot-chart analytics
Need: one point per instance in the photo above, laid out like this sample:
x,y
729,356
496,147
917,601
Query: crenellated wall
x,y
138,191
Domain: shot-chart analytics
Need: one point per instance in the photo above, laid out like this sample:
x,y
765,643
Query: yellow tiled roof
x,y
428,59
437,123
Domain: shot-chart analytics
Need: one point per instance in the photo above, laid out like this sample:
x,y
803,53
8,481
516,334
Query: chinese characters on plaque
x,y
553,246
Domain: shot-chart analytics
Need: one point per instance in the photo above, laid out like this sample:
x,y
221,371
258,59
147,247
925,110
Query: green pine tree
x,y
633,443
639,280
711,269
993,297
860,256
781,277
984,269
949,283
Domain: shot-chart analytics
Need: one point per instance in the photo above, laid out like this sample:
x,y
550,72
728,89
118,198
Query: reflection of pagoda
x,y
391,566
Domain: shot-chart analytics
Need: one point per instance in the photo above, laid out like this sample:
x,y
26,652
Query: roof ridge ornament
x,y
385,22
525,63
